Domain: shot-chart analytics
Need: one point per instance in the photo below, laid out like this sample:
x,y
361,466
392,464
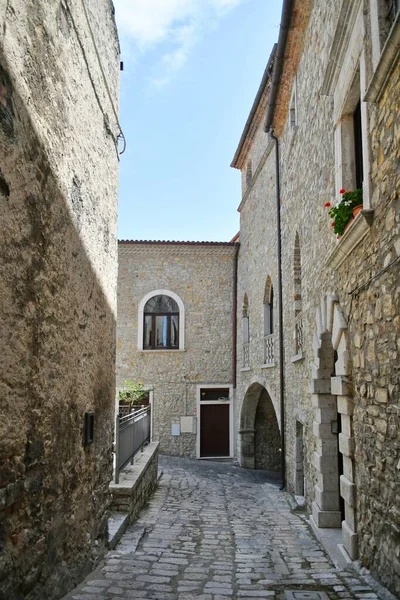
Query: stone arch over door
x,y
331,389
259,435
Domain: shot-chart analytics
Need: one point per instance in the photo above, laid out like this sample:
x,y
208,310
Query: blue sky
x,y
191,72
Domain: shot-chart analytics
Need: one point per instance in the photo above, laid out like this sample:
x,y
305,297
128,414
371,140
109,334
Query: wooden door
x,y
214,430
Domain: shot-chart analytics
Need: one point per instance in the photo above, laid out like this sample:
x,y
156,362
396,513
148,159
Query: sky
x,y
192,69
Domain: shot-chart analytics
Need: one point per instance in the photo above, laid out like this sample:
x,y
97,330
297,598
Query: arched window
x,y
268,308
161,322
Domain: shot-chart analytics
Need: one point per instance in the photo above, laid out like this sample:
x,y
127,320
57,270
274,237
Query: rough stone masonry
x,y
58,262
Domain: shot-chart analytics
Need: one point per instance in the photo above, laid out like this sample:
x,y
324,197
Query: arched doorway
x,y
334,504
259,435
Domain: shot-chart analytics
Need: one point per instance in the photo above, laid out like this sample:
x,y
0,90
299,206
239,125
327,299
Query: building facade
x,y
316,384
175,335
331,105
58,204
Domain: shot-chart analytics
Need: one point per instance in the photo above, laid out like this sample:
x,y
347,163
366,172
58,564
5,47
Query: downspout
x,y
287,10
280,310
234,320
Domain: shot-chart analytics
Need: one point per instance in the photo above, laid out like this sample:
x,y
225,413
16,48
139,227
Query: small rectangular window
x,y
88,434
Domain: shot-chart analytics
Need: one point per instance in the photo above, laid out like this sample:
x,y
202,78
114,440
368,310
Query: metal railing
x,y
299,333
269,356
132,432
246,355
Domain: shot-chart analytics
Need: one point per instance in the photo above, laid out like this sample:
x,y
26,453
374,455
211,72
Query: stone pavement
x,y
213,531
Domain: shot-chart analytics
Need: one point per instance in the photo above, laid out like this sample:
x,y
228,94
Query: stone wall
x,y
58,191
349,289
202,276
137,483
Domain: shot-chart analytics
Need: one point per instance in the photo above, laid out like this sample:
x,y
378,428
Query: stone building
x,y
331,98
316,388
175,335
59,80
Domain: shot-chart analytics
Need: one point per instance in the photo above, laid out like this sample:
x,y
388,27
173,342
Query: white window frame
x,y
181,306
353,66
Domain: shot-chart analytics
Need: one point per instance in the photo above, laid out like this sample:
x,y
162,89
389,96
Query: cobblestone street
x,y
214,531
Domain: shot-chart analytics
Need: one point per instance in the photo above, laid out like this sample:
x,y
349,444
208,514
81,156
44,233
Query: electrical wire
x,y
121,133
364,285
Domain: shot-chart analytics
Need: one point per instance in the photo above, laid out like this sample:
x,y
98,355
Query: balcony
x,y
299,337
269,356
246,356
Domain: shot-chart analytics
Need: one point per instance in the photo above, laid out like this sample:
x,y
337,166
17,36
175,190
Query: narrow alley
x,y
213,531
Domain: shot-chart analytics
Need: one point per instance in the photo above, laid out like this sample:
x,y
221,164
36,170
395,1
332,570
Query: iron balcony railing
x,y
132,432
269,357
246,355
299,333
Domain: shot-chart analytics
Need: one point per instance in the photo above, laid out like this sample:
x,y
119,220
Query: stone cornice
x,y
177,248
255,117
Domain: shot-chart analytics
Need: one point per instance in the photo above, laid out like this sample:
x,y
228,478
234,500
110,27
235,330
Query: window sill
x,y
245,369
297,357
350,240
268,366
166,351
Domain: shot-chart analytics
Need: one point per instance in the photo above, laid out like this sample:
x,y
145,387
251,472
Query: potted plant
x,y
132,393
344,211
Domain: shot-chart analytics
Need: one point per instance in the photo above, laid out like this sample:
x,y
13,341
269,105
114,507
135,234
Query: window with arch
x,y
268,308
161,323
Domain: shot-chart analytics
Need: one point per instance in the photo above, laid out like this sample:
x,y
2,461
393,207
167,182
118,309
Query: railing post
x,y
116,472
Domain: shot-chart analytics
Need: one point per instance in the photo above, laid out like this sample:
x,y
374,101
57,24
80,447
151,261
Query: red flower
x,y
333,224
342,191
327,204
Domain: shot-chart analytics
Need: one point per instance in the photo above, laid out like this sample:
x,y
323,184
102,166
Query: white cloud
x,y
175,24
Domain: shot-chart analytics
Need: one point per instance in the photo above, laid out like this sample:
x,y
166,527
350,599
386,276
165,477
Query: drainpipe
x,y
287,10
234,320
280,311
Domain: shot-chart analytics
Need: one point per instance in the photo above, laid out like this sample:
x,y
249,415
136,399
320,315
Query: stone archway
x,y
331,389
259,435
